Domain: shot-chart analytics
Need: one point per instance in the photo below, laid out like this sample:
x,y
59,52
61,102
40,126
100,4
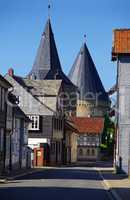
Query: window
x,y
93,152
81,152
88,152
34,125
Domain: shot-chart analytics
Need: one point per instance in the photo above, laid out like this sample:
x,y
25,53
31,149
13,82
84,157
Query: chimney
x,y
11,72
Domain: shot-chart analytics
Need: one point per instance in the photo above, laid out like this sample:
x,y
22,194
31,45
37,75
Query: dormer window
x,y
34,125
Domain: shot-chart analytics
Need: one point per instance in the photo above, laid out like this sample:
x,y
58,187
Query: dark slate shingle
x,y
85,76
47,64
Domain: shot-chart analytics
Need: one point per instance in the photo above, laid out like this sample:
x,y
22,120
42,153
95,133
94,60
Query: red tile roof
x,y
121,43
88,125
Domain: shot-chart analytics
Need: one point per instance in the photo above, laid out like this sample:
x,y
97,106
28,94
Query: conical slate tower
x,y
85,76
47,64
47,67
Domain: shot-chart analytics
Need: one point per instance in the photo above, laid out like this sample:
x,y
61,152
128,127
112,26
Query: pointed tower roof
x,y
47,64
85,76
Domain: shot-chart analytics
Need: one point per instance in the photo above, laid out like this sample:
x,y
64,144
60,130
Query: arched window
x,y
93,152
80,152
88,152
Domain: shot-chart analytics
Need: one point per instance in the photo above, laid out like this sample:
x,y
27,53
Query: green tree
x,y
108,135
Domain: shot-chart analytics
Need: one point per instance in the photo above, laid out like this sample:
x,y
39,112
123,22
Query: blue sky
x,y
22,23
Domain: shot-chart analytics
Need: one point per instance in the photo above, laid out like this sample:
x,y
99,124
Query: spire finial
x,y
49,8
85,36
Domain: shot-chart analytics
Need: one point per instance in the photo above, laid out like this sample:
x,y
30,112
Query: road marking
x,y
111,193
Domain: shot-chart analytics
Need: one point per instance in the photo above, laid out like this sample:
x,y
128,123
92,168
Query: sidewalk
x,y
16,174
119,185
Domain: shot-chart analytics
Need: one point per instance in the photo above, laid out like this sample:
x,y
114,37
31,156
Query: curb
x,y
113,193
5,180
23,174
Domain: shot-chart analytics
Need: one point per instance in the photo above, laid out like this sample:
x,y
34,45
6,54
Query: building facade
x,y
4,86
17,154
38,99
89,137
121,54
71,137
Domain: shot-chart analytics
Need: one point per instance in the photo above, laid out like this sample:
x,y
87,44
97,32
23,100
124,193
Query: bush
x,y
103,146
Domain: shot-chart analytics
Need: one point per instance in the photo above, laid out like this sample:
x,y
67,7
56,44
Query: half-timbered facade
x,y
89,137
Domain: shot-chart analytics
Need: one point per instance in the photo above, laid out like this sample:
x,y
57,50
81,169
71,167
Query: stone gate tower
x,y
93,100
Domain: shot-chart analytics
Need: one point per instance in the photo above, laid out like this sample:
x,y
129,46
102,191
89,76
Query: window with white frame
x,y
34,125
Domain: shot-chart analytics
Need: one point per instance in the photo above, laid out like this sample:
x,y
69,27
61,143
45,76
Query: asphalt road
x,y
56,184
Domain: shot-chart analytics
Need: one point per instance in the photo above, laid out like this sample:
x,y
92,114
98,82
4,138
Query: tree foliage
x,y
108,135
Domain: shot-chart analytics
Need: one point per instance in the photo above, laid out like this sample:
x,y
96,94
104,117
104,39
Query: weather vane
x,y
85,36
49,8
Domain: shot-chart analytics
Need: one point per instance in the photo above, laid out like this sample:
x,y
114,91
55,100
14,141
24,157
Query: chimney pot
x,y
11,72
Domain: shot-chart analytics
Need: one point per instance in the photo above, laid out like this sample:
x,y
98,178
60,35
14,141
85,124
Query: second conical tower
x,y
93,99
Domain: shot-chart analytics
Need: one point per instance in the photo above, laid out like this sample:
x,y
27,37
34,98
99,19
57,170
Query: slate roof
x,y
22,82
40,87
20,114
43,87
69,125
4,82
121,43
47,64
112,90
84,75
88,125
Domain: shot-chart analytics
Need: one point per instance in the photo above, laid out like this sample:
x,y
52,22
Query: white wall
x,y
35,142
123,80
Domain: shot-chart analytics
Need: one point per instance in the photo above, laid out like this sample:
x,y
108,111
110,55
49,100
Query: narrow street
x,y
57,183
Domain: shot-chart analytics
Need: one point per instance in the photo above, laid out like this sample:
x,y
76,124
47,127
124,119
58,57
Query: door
x,y
39,157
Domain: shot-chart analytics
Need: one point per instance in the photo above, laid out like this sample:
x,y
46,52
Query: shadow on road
x,y
113,176
49,193
59,173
